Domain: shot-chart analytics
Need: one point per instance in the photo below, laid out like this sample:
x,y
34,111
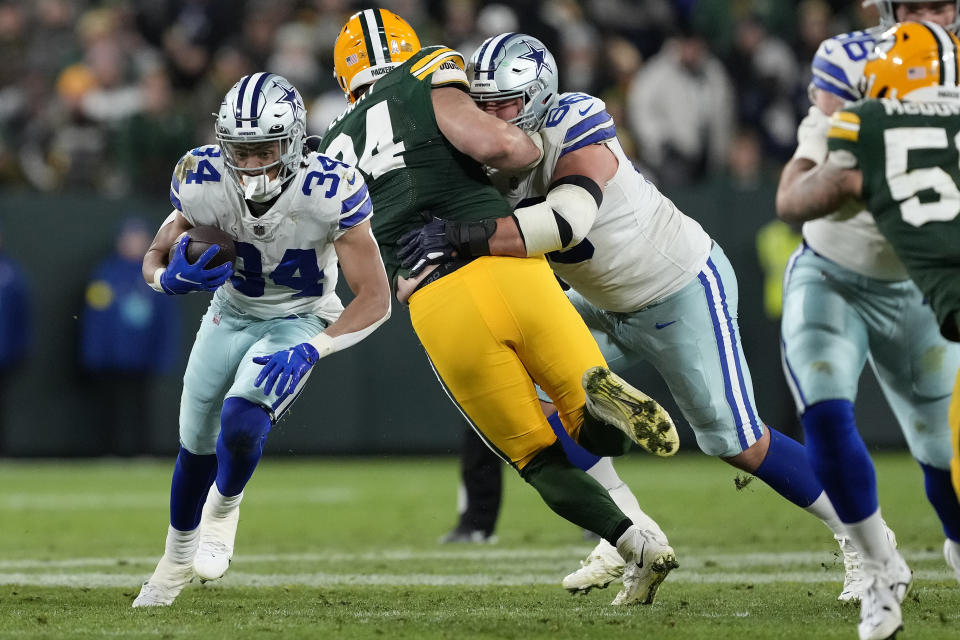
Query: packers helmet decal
x,y
912,56
371,43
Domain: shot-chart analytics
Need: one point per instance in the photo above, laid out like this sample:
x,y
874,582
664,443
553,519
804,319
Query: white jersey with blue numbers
x,y
850,237
641,247
286,263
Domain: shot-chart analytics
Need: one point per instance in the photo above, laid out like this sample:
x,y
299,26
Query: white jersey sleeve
x,y
286,263
850,237
641,247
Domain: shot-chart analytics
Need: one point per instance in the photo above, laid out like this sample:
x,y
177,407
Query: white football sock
x,y
221,505
869,536
181,545
604,473
823,509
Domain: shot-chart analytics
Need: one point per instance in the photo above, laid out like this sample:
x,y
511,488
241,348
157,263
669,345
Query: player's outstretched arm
x,y
559,221
482,136
817,192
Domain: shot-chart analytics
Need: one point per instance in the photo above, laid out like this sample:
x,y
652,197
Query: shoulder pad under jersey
x,y
576,121
442,65
196,181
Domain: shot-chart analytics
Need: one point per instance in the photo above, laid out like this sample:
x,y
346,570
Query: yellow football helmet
x,y
373,42
910,56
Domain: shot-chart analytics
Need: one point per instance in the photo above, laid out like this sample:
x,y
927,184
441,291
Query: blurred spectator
x,y
129,335
766,77
681,111
294,58
642,23
621,61
63,147
147,145
14,329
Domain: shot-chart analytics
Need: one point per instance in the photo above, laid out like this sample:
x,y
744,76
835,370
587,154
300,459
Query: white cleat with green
x,y
648,561
613,400
602,566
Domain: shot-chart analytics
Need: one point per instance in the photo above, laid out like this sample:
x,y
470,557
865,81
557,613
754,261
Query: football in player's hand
x,y
202,238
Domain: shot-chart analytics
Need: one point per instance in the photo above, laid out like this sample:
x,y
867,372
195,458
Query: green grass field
x,y
335,548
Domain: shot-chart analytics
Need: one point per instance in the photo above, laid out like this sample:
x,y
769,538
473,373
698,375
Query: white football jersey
x,y
641,247
286,263
850,238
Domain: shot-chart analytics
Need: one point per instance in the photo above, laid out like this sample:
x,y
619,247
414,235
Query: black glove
x,y
441,241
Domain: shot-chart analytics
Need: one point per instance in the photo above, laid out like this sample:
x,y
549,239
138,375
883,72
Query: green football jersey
x,y
412,171
908,154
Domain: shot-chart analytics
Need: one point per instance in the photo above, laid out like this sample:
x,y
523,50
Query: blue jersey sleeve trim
x,y
598,136
358,216
832,88
577,130
354,199
175,201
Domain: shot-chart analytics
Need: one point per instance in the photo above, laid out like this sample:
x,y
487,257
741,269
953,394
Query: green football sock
x,y
574,495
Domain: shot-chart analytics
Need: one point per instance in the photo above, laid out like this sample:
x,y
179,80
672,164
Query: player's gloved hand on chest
x,y
183,277
441,241
285,368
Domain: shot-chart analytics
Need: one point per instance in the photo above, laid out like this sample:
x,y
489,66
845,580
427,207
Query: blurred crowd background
x,y
100,98
106,95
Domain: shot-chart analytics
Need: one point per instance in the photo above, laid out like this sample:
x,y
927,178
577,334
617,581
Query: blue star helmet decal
x,y
290,97
536,55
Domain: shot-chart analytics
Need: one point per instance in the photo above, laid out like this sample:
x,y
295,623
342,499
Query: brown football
x,y
202,238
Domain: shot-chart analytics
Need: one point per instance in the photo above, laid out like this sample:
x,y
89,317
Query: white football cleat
x,y
648,561
951,553
217,535
854,580
611,399
887,586
166,583
602,566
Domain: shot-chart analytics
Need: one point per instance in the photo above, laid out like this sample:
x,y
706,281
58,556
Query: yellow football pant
x,y
955,437
492,326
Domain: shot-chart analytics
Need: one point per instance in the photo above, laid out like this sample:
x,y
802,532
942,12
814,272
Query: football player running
x,y
847,300
642,273
898,154
293,217
488,324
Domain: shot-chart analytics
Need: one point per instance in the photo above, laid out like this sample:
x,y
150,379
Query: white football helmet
x,y
888,16
262,107
511,65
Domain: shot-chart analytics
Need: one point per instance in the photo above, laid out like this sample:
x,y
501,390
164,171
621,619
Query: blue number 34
x,y
297,270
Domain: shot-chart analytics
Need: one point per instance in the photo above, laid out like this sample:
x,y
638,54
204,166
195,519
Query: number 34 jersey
x,y
640,248
286,263
908,155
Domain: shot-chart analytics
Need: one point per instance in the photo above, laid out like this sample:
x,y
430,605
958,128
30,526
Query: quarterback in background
x,y
643,274
275,312
491,326
886,152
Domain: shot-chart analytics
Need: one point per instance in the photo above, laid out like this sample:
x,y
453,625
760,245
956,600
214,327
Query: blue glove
x,y
285,368
183,277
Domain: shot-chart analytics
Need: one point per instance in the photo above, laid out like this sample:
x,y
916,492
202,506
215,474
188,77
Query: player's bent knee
x,y
718,446
243,424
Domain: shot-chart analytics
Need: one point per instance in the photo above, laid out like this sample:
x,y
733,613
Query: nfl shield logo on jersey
x,y
259,229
